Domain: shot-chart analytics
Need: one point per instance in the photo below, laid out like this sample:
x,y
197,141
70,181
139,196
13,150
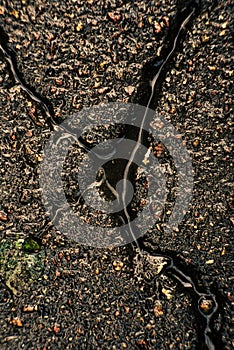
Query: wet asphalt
x,y
83,53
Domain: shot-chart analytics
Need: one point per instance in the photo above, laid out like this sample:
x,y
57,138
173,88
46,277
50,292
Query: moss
x,y
21,263
31,245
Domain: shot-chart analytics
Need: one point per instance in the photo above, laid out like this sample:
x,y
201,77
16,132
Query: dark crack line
x,y
15,73
153,83
43,103
171,268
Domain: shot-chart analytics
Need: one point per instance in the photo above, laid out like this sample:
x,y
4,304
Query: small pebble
x,y
118,265
157,27
158,311
167,293
2,10
129,90
17,322
79,26
206,305
196,143
56,329
210,262
3,216
114,16
29,308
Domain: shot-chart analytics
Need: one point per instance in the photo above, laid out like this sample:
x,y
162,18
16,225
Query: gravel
x,y
84,53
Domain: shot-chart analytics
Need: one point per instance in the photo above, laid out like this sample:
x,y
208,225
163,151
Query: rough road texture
x,y
81,54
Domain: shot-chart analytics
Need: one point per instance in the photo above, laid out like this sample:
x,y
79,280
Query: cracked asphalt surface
x,y
83,53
